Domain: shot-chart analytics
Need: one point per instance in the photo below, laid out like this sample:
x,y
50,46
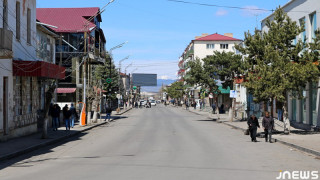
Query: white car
x,y
153,103
143,102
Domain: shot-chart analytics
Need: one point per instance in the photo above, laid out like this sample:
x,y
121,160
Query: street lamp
x,y
120,79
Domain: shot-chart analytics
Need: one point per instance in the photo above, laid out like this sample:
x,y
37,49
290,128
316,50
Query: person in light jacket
x,y
253,124
268,125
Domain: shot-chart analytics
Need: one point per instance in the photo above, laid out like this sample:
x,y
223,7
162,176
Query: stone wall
x,y
30,102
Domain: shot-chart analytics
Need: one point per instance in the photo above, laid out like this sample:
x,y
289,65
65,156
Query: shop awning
x,y
38,69
65,90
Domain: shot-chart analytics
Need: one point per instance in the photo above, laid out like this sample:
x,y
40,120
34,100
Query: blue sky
x,y
158,31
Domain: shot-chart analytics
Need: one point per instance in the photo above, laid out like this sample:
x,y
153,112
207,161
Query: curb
x,y
124,111
53,141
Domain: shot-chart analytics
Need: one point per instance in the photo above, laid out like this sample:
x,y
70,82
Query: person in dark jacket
x,y
59,111
268,125
108,115
55,117
67,115
253,124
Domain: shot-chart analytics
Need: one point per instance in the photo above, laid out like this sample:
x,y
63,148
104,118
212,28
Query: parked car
x,y
153,103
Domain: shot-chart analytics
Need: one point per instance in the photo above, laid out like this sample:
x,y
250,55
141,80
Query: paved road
x,y
161,143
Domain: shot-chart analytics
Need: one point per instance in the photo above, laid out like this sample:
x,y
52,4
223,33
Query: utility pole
x,y
84,108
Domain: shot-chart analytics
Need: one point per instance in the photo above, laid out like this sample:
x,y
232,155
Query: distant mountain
x,y
157,88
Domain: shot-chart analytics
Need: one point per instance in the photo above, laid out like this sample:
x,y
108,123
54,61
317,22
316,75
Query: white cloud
x,y
252,11
221,12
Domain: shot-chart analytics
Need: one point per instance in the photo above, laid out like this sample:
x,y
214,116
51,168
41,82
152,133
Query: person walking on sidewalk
x,y
67,115
213,108
267,124
253,124
74,115
108,115
55,117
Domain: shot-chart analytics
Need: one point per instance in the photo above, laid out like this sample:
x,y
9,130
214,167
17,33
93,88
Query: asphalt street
x,y
161,143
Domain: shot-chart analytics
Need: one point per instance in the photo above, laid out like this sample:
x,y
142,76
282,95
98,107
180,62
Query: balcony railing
x,y
5,39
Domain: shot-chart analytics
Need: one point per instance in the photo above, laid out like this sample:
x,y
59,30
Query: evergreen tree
x,y
277,63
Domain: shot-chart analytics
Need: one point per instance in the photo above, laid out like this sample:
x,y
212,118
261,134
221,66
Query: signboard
x,y
233,94
139,79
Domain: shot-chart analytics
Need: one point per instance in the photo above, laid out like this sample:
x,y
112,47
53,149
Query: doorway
x,y
5,105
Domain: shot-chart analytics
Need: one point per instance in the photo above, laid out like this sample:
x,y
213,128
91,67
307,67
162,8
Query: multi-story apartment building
x,y
201,47
23,68
82,40
303,112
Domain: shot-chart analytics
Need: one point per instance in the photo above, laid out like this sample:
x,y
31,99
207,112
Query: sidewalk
x,y
19,146
306,141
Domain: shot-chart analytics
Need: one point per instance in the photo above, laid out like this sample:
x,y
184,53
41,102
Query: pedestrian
x,y
136,104
268,125
213,108
222,109
74,115
67,116
200,104
108,113
279,110
194,104
187,104
55,117
253,124
59,112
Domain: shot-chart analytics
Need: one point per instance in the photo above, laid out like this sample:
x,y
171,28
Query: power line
x,y
230,7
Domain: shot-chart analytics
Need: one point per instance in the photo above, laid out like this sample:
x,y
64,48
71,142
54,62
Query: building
x,y
23,70
201,47
82,46
303,113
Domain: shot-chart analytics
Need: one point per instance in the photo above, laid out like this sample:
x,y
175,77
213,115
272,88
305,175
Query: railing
x,y
6,39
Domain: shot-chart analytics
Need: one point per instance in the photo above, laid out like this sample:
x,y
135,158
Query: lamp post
x,y
119,95
131,90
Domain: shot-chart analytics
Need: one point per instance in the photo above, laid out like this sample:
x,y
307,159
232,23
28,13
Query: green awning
x,y
224,91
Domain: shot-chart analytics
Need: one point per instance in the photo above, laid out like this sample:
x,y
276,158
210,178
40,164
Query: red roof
x,y
68,19
217,37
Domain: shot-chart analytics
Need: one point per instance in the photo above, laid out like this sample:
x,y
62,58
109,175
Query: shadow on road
x,y
22,160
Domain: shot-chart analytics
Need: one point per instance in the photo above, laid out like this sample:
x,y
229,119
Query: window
x,y
5,14
29,26
18,20
303,34
313,22
224,46
210,46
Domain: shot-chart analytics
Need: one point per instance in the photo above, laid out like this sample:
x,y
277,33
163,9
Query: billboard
x,y
139,79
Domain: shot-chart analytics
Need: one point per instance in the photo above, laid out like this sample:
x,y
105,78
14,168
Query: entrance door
x,y
5,105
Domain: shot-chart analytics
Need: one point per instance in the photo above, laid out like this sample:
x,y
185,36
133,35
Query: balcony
x,y
188,54
5,43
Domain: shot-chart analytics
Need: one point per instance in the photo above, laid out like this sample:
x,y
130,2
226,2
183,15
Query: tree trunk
x,y
95,109
286,121
49,97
